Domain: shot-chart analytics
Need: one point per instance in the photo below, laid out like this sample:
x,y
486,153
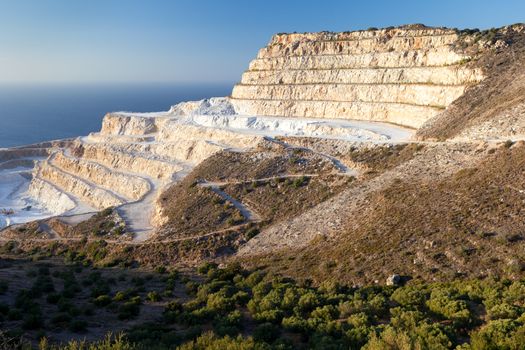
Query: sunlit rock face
x,y
401,75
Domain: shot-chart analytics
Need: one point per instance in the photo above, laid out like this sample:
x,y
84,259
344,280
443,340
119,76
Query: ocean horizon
x,y
42,112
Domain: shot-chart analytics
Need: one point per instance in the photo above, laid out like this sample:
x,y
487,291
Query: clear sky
x,y
195,40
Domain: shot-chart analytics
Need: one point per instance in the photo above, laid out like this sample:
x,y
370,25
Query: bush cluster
x,y
289,315
230,307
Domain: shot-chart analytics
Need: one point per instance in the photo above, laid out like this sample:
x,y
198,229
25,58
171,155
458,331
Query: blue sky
x,y
194,41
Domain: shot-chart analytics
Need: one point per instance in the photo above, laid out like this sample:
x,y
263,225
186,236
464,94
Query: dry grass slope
x,y
468,224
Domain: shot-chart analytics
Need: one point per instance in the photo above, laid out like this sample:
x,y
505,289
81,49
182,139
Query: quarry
x,y
326,120
334,86
357,190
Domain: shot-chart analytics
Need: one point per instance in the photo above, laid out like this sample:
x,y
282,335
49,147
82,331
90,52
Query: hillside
x,y
341,162
273,167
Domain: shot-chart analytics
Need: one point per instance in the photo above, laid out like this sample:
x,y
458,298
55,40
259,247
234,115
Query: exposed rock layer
x,y
403,76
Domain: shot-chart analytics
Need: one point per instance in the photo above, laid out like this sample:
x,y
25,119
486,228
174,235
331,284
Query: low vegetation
x,y
270,159
260,177
106,224
283,198
192,210
379,158
234,308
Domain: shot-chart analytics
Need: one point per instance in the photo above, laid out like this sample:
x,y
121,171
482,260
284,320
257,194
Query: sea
x,y
42,112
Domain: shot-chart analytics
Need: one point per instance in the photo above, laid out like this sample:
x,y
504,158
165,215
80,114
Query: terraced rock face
x,y
136,156
402,76
125,166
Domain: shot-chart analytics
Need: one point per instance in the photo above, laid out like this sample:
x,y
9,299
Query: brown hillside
x,y
501,55
467,224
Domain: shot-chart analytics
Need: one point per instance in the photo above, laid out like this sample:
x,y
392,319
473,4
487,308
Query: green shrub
x,y
499,334
358,336
60,318
14,314
53,298
4,308
445,302
391,338
43,284
172,311
515,293
88,310
206,267
25,300
241,297
228,325
128,310
295,324
273,316
266,332
138,281
33,320
161,269
504,311
299,182
219,303
173,275
66,305
358,320
326,312
409,296
106,212
212,342
100,288
308,301
154,296
70,290
252,232
102,300
120,296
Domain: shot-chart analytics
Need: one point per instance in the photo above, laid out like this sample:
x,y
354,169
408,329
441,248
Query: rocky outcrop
x,y
401,75
129,124
124,157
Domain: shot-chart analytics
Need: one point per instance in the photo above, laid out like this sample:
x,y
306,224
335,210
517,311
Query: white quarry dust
x,y
217,113
15,204
185,135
